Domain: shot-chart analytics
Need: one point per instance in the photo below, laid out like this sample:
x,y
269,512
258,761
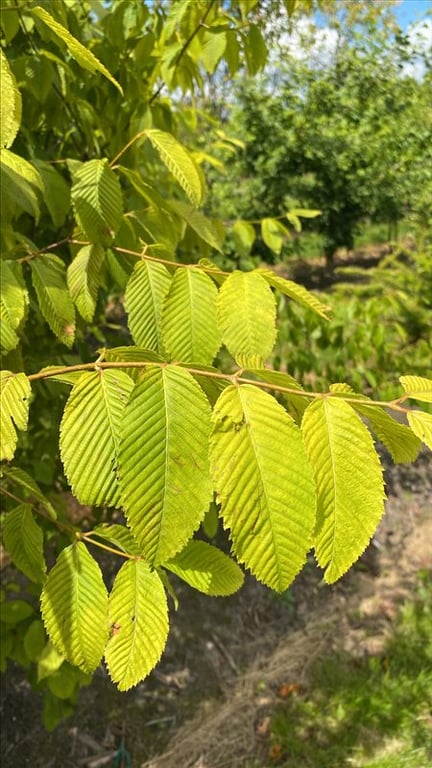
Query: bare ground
x,y
208,704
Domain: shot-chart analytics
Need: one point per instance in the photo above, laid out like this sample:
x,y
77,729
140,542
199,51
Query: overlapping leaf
x,y
14,407
79,52
97,201
417,387
83,278
10,104
421,424
89,435
23,540
21,185
132,355
179,162
296,404
204,227
17,476
74,605
246,313
13,303
55,303
138,617
399,439
163,461
264,483
349,483
296,292
207,569
189,325
146,289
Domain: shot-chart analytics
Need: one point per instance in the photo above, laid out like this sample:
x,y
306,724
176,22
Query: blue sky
x,y
410,11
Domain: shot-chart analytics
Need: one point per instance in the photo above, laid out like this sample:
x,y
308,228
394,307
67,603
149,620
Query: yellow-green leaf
x,y
189,326
246,313
207,569
421,424
74,605
349,483
417,387
146,289
179,162
17,476
10,117
14,407
97,201
21,185
296,292
89,435
264,484
55,303
83,278
138,619
164,473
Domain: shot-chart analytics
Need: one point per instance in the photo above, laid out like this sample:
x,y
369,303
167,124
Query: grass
x,y
367,712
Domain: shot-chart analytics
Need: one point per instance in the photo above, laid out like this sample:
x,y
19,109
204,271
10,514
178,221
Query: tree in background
x,y
337,123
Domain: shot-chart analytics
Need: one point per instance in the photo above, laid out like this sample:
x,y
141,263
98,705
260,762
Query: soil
x,y
204,706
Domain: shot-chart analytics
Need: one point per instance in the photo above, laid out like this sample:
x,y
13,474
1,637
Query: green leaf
x,y
138,616
305,213
146,289
349,483
214,44
207,569
163,461
9,340
21,185
398,438
421,425
14,407
17,476
56,306
83,279
132,354
82,55
417,387
179,162
56,193
74,605
246,313
23,540
274,234
296,404
34,640
10,118
297,292
89,435
50,660
244,236
189,325
97,200
255,50
64,376
202,225
264,484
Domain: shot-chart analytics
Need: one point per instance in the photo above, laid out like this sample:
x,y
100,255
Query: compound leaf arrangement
x,y
185,421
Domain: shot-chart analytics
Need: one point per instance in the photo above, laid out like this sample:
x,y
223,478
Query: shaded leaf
x,y
81,54
55,303
138,617
202,225
23,540
21,185
207,569
17,476
83,278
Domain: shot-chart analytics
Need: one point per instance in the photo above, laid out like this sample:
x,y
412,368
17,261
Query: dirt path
x,y
208,703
